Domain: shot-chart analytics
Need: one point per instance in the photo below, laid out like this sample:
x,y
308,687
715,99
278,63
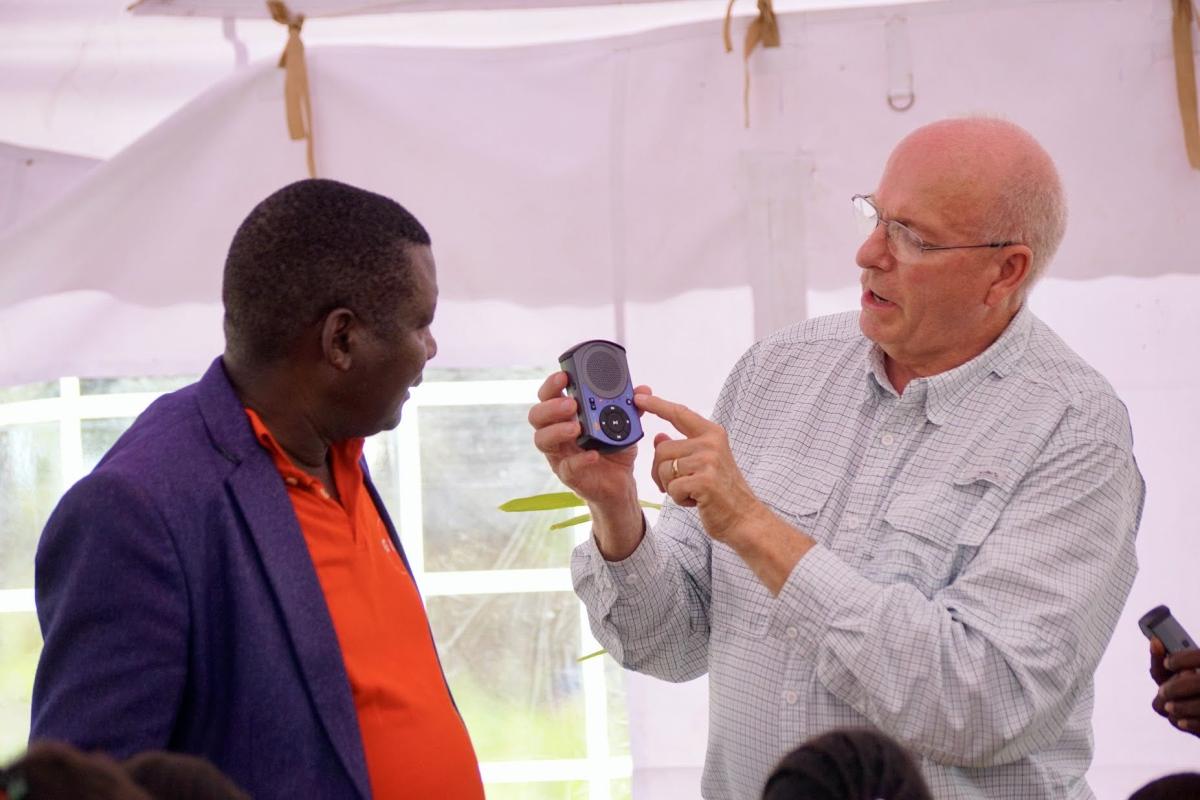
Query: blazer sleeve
x,y
113,609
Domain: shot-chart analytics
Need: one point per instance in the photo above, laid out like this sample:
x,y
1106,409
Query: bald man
x,y
917,517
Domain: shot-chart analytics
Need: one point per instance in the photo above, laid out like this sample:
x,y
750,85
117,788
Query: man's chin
x,y
867,325
392,420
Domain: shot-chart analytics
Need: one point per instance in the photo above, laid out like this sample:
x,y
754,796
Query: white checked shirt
x,y
975,545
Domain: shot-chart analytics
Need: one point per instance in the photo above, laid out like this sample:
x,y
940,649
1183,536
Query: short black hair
x,y
57,771
1180,786
847,764
313,246
179,776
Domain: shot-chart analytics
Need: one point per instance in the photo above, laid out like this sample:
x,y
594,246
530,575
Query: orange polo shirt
x,y
415,742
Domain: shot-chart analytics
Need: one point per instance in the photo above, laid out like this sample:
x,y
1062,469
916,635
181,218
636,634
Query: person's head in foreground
x,y
177,776
1181,786
329,294
964,220
56,771
850,764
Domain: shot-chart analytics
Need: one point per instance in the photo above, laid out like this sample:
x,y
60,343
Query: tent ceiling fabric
x,y
32,179
256,9
642,182
577,188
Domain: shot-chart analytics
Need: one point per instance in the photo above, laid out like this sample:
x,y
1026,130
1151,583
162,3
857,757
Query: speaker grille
x,y
604,372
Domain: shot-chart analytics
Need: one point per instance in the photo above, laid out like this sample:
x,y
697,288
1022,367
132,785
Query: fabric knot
x,y
764,30
297,99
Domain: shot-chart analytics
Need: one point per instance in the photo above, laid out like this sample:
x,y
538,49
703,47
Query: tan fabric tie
x,y
763,30
1185,78
295,82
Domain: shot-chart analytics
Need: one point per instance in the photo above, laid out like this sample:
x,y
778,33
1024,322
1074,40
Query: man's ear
x,y
1013,277
339,333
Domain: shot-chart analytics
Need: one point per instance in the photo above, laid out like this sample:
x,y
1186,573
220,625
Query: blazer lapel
x,y
267,510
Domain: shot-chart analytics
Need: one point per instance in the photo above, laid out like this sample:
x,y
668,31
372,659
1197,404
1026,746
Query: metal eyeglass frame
x,y
912,235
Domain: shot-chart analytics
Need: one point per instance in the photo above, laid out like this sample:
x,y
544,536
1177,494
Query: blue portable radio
x,y
603,392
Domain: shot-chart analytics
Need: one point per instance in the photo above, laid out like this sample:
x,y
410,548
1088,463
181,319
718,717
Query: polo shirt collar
x,y
345,454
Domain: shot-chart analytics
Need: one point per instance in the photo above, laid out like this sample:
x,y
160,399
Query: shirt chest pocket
x,y
797,499
933,531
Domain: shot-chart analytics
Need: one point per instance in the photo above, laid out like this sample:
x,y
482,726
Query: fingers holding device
x,y
1175,667
1158,623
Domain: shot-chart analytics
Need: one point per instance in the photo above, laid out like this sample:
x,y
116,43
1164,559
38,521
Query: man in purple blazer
x,y
180,605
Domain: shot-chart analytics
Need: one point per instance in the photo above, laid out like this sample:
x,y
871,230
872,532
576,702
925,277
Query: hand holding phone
x,y
1158,623
1178,696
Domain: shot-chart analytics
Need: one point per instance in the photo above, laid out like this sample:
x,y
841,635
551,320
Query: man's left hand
x,y
1178,696
699,470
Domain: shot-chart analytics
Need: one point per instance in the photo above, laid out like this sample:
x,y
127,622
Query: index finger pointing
x,y
686,421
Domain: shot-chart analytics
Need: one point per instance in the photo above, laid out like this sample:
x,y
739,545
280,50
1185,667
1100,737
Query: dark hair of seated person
x,y
55,771
1180,786
849,764
174,776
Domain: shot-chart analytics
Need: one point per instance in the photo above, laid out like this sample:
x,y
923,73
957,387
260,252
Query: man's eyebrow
x,y
885,215
917,227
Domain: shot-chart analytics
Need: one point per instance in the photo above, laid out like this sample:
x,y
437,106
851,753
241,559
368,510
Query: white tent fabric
x,y
333,8
31,179
85,76
608,188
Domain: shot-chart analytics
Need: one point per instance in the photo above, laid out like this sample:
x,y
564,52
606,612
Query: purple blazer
x,y
181,611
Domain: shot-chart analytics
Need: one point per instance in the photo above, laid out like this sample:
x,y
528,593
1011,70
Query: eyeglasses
x,y
903,242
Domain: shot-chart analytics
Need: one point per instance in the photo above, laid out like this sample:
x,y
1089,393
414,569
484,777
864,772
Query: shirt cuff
x,y
628,577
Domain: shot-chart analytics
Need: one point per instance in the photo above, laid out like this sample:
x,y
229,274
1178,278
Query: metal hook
x,y
900,94
893,101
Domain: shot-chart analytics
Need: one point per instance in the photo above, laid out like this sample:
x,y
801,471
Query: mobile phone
x,y
1158,622
598,379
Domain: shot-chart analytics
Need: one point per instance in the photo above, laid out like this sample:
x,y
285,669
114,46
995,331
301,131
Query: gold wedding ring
x,y
674,467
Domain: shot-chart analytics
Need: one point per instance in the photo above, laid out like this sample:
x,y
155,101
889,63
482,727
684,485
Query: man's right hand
x,y
604,480
1178,679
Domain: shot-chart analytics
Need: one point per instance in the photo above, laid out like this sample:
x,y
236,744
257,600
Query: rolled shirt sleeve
x,y
650,611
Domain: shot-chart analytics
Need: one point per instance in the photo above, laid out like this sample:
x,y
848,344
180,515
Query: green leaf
x,y
566,523
544,502
582,659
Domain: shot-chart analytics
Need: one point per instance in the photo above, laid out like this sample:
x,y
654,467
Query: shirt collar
x,y
345,453
942,392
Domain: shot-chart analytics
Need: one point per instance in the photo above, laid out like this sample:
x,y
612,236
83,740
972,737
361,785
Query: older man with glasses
x,y
917,517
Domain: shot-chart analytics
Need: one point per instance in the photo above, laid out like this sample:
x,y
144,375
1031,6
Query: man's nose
x,y
873,253
430,347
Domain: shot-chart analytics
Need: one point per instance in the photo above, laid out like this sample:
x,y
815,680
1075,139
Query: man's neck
x,y
902,371
283,406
